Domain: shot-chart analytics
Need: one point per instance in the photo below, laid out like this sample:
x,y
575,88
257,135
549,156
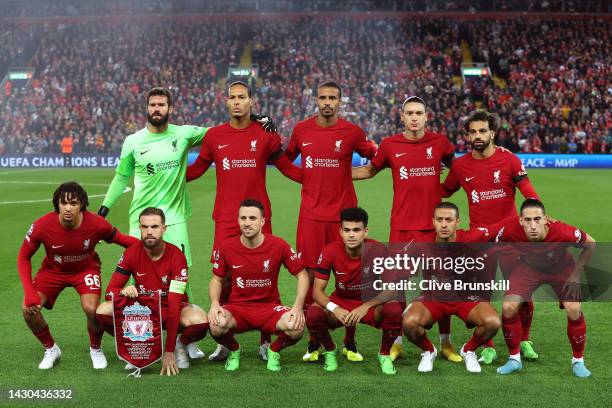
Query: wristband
x,y
331,306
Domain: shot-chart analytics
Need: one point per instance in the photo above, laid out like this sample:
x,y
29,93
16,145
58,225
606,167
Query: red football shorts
x,y
51,283
525,280
256,315
350,304
410,235
230,229
312,237
439,310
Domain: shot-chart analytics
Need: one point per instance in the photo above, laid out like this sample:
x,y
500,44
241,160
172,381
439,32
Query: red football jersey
x,y
240,157
415,166
68,250
254,271
352,281
150,275
327,156
549,253
490,185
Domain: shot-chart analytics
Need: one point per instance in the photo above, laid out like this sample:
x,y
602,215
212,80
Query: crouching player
x,y
431,307
158,265
253,261
542,263
346,305
70,235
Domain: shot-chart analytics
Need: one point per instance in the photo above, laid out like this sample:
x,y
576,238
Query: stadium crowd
x,y
90,78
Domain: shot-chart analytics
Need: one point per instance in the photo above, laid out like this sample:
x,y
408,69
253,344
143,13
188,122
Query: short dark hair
x,y
70,189
354,214
240,83
330,84
447,205
160,91
482,115
414,98
153,211
251,202
532,203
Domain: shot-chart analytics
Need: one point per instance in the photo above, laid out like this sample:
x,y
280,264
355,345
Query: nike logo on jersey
x,y
306,144
222,146
140,274
144,151
340,273
237,266
399,154
56,246
469,178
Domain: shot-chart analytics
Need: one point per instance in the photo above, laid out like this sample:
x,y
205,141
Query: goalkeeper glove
x,y
265,121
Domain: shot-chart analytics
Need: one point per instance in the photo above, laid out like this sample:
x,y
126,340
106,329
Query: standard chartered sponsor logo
x,y
422,171
403,173
475,198
237,163
252,283
167,165
308,162
487,195
311,163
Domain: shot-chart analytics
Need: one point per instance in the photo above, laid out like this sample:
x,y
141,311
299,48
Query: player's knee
x,y
295,334
573,309
105,308
410,323
510,309
217,330
193,316
491,322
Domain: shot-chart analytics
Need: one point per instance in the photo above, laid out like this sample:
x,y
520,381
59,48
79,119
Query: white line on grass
x,y
2,173
125,190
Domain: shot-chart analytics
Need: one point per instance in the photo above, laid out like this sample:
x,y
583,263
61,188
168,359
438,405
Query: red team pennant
x,y
138,330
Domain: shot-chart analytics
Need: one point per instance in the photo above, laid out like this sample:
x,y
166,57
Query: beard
x,y
482,146
150,242
158,122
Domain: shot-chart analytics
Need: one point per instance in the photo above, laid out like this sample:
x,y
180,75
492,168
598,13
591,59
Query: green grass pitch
x,y
580,197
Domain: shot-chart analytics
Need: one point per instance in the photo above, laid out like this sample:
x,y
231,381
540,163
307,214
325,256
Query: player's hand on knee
x,y
340,314
129,291
32,303
169,364
355,316
296,319
215,314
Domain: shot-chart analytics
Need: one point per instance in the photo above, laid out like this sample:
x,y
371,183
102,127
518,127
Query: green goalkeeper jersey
x,y
158,162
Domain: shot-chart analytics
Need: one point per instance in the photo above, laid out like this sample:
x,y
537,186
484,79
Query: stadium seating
x,y
91,77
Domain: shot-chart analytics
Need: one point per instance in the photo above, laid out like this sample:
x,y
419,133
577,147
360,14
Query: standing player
x,y
326,143
347,305
414,158
240,150
157,157
490,176
253,262
158,265
70,235
431,307
545,263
